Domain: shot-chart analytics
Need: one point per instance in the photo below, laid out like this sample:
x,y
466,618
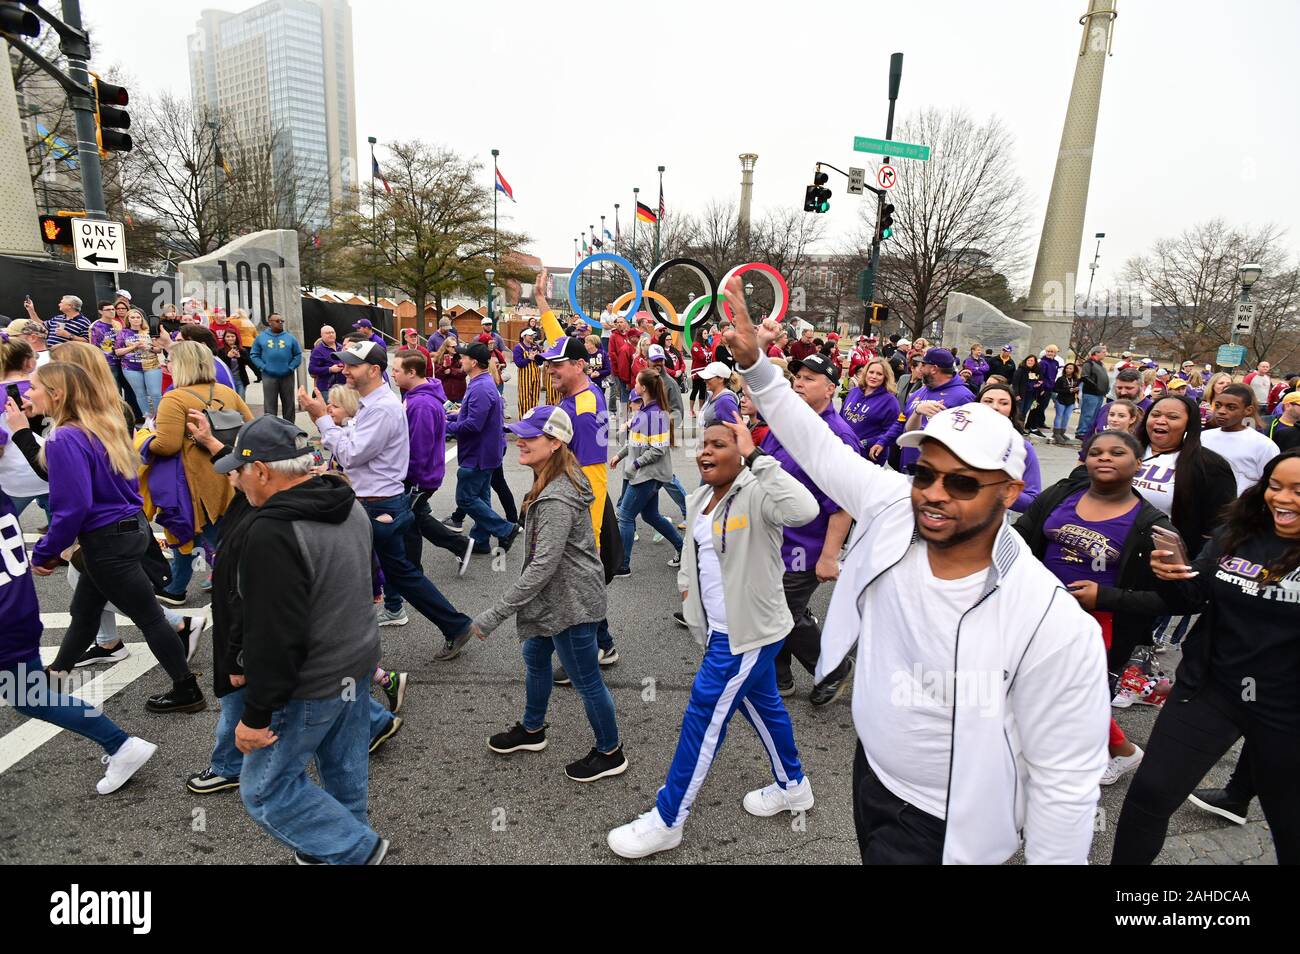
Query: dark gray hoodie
x,y
563,581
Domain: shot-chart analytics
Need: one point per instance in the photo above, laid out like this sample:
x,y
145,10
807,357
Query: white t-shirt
x,y
1247,450
715,607
1155,480
903,690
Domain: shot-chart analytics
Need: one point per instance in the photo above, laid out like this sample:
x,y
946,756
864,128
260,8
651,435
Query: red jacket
x,y
799,350
699,358
621,349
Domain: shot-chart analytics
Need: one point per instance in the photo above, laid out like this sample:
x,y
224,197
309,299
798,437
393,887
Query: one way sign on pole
x,y
99,246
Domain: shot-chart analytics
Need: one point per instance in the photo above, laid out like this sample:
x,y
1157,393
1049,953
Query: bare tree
x,y
1192,282
957,217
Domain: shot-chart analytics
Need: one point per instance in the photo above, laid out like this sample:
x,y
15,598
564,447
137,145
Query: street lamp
x,y
1249,274
490,273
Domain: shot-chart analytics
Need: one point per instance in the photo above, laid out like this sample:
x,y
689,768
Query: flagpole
x,y
374,237
591,292
659,214
636,192
615,228
495,190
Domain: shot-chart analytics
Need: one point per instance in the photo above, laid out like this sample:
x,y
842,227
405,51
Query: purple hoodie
x,y
953,393
169,492
871,416
20,637
319,363
979,370
1049,368
86,493
426,423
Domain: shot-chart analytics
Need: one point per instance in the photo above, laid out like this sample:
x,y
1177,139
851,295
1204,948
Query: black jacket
x,y
1133,600
1065,390
227,608
1005,368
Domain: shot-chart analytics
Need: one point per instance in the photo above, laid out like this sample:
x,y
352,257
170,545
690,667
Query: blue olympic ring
x,y
618,260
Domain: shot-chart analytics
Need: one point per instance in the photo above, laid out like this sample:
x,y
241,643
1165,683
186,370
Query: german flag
x,y
645,214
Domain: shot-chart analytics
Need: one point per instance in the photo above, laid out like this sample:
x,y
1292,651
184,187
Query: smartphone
x,y
14,394
1171,541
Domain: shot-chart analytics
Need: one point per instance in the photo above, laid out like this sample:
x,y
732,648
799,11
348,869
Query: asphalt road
x,y
437,791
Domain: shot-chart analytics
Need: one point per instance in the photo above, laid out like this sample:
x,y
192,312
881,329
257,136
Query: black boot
x,y
185,696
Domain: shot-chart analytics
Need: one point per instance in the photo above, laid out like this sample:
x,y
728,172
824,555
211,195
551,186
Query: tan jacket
x,y
211,492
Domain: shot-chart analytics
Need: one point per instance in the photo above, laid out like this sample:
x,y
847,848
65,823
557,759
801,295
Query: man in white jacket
x,y
980,696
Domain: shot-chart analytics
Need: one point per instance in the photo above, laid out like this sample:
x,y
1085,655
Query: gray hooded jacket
x,y
563,581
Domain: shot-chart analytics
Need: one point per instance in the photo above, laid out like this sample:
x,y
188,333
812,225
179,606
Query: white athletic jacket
x,y
1029,764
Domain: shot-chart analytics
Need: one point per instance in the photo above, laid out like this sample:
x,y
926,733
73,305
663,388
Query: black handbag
x,y
225,424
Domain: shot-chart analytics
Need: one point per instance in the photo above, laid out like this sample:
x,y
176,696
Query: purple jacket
x,y
953,394
1033,480
479,426
801,547
426,423
523,357
979,370
86,493
1049,368
169,492
871,416
319,363
20,637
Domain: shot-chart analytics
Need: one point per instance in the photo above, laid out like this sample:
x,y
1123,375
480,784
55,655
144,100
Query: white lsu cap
x,y
715,369
977,435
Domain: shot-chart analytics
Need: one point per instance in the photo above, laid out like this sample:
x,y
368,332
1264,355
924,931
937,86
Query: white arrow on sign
x,y
886,176
99,246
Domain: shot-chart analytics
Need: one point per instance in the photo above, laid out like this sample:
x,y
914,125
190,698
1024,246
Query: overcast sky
x,y
1198,109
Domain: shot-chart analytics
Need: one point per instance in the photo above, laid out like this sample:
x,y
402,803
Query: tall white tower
x,y
747,161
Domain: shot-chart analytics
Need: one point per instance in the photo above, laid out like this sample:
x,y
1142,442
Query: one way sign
x,y
99,246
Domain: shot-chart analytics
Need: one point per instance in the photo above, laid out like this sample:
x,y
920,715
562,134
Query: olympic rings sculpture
x,y
709,301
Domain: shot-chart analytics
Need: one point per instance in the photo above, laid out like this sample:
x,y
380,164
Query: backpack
x,y
225,424
611,542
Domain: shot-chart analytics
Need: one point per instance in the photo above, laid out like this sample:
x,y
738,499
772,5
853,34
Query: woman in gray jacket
x,y
647,466
559,597
733,602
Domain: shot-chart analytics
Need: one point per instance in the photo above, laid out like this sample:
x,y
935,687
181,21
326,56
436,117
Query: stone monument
x,y
969,319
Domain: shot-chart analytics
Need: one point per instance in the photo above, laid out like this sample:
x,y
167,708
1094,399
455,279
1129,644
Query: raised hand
x,y
744,440
539,292
742,336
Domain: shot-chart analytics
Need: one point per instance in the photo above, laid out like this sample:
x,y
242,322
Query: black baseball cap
x,y
819,364
476,350
266,438
364,352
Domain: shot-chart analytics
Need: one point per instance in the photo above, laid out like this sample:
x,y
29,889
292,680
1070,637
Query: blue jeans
x,y
228,761
725,683
642,500
576,647
183,563
474,497
22,503
326,821
147,387
26,687
1061,415
402,576
677,492
1088,405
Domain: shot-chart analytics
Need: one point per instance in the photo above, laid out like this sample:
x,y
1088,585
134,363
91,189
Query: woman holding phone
x,y
141,366
1240,672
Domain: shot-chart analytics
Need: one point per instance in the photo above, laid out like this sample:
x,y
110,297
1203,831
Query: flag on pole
x,y
376,174
645,213
661,197
503,186
607,235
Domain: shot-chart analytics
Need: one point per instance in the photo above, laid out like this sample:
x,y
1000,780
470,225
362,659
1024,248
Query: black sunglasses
x,y
958,486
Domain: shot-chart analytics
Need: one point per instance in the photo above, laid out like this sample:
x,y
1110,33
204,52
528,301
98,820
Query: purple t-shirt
x,y
104,337
1085,550
802,546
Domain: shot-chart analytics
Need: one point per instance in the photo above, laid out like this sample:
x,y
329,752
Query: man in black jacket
x,y
311,642
1003,364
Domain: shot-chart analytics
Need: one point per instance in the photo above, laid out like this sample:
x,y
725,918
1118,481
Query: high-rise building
x,y
284,68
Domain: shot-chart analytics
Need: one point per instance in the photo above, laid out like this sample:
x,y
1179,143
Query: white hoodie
x,y
1026,760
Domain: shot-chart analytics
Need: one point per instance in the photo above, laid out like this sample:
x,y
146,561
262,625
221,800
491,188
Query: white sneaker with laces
x,y
765,802
393,619
124,763
1123,699
644,836
1121,765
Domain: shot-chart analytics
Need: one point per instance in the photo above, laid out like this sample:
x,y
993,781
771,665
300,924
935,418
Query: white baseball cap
x,y
486,321
978,435
657,353
715,369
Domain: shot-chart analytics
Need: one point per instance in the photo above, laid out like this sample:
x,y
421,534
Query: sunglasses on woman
x,y
958,486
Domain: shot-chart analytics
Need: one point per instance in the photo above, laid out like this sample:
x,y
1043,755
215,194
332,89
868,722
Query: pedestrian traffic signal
x,y
886,226
816,197
56,229
879,313
110,117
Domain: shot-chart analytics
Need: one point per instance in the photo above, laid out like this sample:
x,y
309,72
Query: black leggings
x,y
1186,742
112,558
699,390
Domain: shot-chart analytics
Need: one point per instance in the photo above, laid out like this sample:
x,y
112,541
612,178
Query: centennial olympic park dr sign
x,y
662,308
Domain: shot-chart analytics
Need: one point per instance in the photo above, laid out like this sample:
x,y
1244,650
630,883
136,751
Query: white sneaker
x,y
765,802
393,619
657,538
643,836
125,763
1121,765
1123,699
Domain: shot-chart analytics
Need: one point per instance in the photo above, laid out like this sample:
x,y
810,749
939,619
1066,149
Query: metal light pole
x,y
659,215
616,229
490,273
1248,274
495,190
1092,271
636,210
591,291
374,237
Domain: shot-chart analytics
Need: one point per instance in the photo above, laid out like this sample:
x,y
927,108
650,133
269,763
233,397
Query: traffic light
x,y
56,229
879,313
886,226
110,117
816,197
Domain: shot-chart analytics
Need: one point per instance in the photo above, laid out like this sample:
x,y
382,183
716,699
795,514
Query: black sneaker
x,y
451,523
506,541
395,691
607,657
207,782
184,697
680,619
453,647
597,765
517,739
98,654
785,687
303,859
386,733
561,678
622,573
171,599
1218,801
832,687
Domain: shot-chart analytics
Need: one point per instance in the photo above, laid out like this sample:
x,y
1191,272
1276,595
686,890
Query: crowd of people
x,y
894,469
